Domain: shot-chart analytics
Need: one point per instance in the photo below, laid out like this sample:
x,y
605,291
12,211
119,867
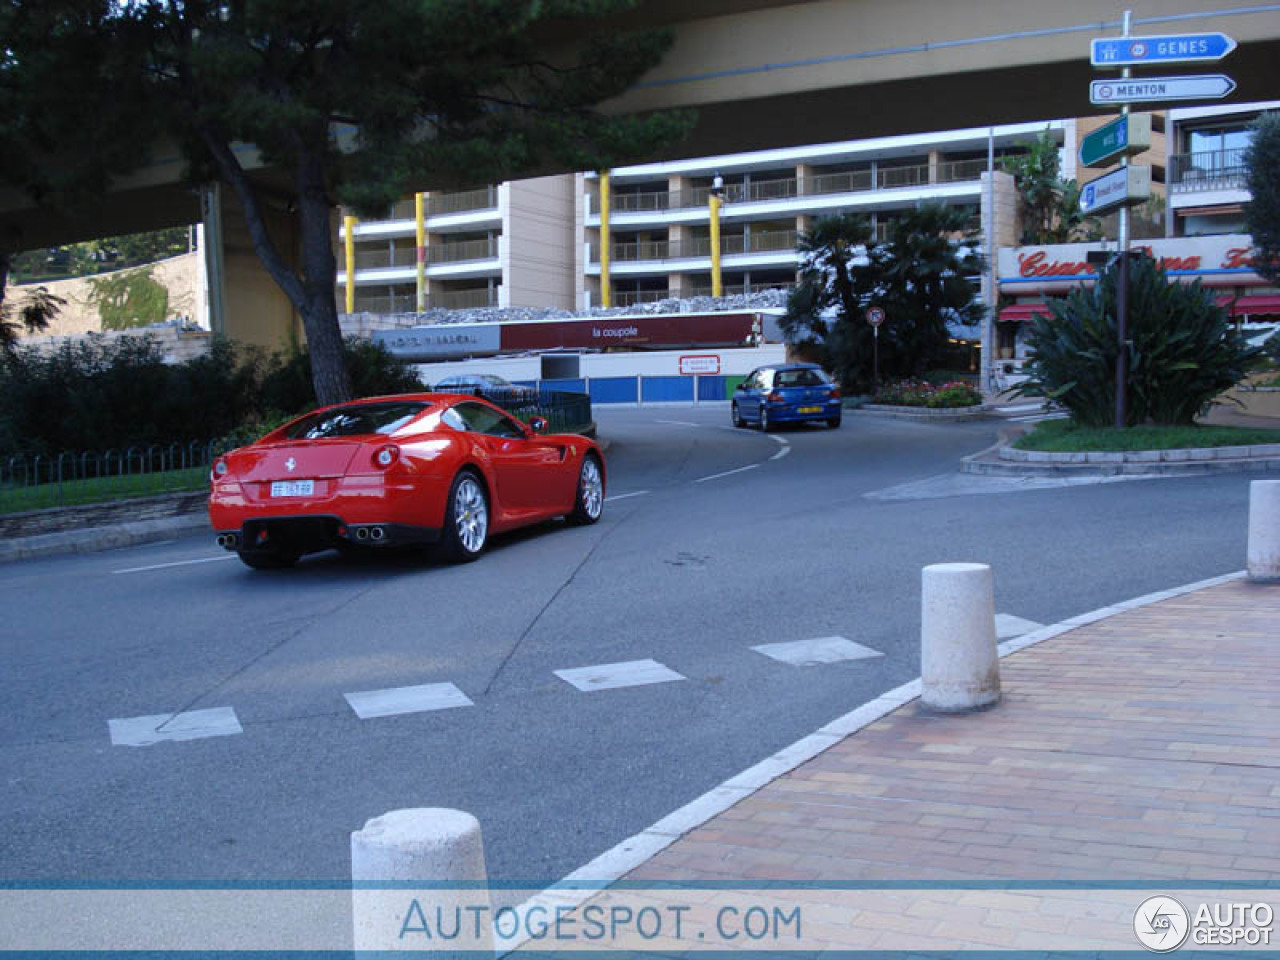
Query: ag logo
x,y
290,464
1161,924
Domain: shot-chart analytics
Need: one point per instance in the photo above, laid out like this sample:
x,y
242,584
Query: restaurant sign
x,y
1224,260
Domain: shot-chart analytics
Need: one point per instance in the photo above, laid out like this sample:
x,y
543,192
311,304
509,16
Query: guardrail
x,y
55,480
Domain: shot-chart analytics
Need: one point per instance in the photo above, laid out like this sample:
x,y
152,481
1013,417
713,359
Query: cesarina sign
x,y
1223,261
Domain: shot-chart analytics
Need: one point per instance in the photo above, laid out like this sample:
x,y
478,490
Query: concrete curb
x,y
982,464
102,538
1183,455
583,883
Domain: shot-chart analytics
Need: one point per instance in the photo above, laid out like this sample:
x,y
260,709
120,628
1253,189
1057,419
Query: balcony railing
x,y
629,298
440,204
741,289
767,241
405,256
1208,170
407,302
384,259
462,251
787,188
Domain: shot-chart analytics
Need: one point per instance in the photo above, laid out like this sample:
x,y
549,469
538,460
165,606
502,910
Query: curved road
x,y
714,541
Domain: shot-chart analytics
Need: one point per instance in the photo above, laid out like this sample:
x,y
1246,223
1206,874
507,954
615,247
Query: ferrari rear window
x,y
360,419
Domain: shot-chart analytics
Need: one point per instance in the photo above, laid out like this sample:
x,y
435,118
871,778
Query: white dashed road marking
x,y
611,676
805,653
624,496
192,725
1008,626
397,700
728,473
678,423
176,563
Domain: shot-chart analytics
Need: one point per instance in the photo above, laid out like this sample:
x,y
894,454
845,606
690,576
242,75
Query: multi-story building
x,y
659,223
1207,182
510,245
1203,237
537,242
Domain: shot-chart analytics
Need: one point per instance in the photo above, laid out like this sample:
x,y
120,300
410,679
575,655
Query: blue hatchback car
x,y
786,393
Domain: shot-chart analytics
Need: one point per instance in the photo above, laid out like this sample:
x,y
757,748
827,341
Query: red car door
x,y
528,471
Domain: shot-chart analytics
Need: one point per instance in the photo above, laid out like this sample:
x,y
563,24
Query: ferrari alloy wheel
x,y
589,502
466,518
737,416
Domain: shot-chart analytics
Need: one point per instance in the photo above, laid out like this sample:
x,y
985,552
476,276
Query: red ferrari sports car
x,y
418,468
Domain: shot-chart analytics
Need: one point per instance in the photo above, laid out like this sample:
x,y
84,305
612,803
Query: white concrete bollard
x,y
418,882
959,665
1264,531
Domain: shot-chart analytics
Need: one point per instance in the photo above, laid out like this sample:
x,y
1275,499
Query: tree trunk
x,y
312,293
319,311
6,259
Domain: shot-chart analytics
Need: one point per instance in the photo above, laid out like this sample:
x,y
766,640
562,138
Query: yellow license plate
x,y
810,409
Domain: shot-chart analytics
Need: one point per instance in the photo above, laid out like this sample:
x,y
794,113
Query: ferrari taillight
x,y
219,470
385,456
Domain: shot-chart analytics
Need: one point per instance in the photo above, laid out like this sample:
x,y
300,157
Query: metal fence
x,y
564,412
55,480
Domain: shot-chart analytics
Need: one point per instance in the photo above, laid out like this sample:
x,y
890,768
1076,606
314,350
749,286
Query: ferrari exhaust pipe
x,y
362,533
227,540
376,533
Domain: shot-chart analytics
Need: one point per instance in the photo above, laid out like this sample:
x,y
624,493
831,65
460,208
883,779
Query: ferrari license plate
x,y
810,409
293,488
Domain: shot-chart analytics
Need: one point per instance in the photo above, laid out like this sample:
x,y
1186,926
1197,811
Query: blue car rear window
x,y
800,378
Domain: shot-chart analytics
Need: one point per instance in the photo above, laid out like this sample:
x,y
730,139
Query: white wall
x,y
734,361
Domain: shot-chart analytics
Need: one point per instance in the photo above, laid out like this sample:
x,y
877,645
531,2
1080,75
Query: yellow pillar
x,y
349,228
717,288
420,233
606,298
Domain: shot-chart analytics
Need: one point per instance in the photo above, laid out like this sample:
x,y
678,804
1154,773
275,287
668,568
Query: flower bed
x,y
920,393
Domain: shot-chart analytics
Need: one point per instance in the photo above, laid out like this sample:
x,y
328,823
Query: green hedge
x,y
100,394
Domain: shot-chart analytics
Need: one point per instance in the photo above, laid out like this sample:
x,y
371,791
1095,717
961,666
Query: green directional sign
x,y
1123,135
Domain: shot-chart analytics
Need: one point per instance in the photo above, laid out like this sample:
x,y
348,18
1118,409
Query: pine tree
x,y
346,102
1262,158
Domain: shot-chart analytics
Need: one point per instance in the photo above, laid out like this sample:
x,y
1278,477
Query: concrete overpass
x,y
764,73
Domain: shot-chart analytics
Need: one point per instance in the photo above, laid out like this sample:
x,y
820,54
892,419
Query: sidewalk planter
x,y
930,414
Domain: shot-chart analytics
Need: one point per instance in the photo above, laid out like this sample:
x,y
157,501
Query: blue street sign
x,y
1176,48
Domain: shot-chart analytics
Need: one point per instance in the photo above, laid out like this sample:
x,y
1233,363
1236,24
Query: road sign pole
x,y
875,358
1122,285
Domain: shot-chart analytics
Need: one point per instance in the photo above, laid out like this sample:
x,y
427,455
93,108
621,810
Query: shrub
x,y
1184,350
101,394
374,372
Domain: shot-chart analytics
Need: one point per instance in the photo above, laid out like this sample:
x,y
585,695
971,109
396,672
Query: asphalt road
x,y
713,541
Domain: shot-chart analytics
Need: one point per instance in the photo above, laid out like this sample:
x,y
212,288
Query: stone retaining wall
x,y
945,414
58,519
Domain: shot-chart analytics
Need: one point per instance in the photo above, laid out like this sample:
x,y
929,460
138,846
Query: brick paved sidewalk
x,y
1146,745
1144,748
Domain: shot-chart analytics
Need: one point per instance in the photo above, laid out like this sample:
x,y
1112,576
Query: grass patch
x,y
1063,436
72,493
